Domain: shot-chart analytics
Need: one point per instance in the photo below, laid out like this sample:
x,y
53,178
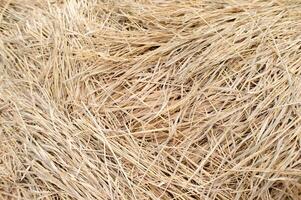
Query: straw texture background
x,y
150,99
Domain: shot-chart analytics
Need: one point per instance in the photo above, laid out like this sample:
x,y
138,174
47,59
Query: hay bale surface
x,y
150,99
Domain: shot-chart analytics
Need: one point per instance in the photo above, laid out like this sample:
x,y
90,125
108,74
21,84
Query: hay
x,y
150,99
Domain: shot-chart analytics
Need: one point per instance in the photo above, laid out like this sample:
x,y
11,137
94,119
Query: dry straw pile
x,y
149,99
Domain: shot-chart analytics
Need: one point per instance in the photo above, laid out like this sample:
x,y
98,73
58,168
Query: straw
x,y
150,99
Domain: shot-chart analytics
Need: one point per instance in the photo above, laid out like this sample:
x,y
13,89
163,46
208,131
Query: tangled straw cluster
x,y
144,99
